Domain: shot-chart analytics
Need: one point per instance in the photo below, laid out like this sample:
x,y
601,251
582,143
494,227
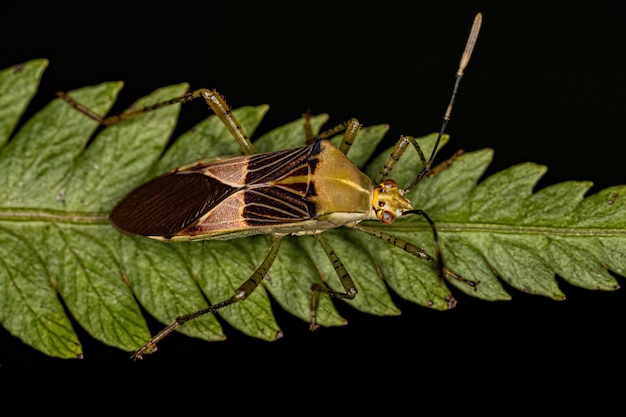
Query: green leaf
x,y
18,85
60,257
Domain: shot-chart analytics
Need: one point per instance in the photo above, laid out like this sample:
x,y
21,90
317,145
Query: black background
x,y
545,85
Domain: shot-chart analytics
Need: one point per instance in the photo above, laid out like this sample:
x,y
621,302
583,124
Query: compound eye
x,y
389,183
387,217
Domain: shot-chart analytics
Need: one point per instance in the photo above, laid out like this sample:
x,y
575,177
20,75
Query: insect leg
x,y
308,132
396,154
215,101
342,273
445,164
398,151
416,251
351,128
240,294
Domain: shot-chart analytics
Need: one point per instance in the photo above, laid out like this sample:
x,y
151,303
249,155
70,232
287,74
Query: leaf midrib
x,y
59,216
443,227
55,216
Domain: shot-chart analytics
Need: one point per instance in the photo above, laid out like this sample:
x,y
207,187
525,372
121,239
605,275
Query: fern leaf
x,y
58,250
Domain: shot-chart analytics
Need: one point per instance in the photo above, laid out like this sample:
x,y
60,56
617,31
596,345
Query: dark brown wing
x,y
168,204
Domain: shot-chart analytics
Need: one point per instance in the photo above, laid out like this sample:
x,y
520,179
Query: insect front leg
x,y
240,294
342,273
416,251
397,153
215,101
427,171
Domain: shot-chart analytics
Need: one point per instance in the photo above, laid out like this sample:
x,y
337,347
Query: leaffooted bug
x,y
299,191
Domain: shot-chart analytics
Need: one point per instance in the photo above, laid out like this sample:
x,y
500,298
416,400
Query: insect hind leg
x,y
241,293
214,100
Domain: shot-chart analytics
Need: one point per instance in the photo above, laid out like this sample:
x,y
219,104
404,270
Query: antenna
x,y
467,53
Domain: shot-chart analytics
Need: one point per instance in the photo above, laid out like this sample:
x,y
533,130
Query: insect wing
x,y
225,195
169,203
272,191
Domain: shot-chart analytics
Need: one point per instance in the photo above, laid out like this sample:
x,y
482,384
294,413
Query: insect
x,y
300,191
